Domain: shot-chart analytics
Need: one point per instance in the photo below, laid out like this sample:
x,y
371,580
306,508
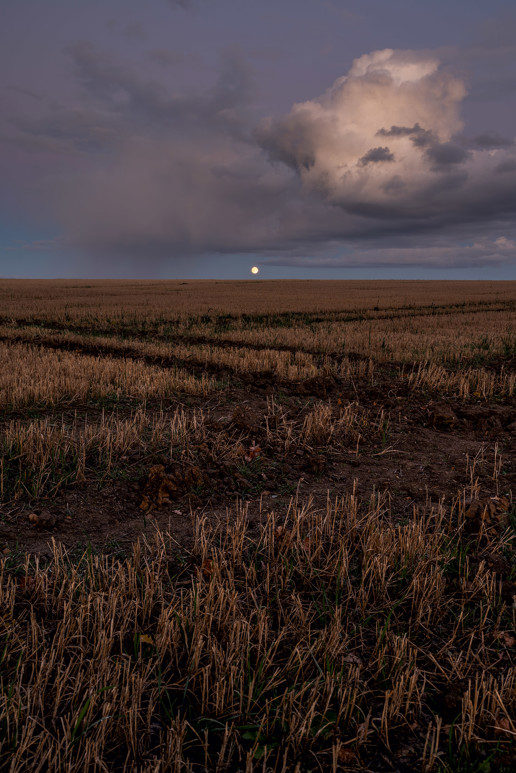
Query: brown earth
x,y
405,449
423,454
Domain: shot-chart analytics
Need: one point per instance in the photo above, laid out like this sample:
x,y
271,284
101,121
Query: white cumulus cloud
x,y
386,140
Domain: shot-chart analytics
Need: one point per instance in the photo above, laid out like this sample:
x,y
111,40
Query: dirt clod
x,y
443,417
162,488
44,520
158,487
315,463
487,514
244,419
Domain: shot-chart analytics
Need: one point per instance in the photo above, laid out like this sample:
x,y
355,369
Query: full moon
x,y
254,270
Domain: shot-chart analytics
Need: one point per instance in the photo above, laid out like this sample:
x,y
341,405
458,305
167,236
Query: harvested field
x,y
258,526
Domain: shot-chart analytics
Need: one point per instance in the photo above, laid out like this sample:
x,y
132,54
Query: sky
x,y
316,139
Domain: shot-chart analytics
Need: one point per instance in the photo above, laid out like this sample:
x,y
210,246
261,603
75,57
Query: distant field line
x,y
344,317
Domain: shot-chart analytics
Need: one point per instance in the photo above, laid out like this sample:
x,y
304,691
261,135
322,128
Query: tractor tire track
x,y
253,380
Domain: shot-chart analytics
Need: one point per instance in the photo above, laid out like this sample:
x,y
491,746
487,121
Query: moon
x,y
254,270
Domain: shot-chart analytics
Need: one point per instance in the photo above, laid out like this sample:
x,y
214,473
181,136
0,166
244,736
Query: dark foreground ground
x,y
416,446
321,577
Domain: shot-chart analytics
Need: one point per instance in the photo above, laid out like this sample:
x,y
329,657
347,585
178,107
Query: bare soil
x,y
424,455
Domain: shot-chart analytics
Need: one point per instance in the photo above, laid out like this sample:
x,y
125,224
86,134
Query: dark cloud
x,y
290,142
122,104
111,83
180,3
489,139
486,252
135,31
423,138
420,137
165,173
124,92
24,92
165,57
494,42
394,185
508,165
399,131
489,60
296,156
447,154
499,86
376,156
69,129
176,198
